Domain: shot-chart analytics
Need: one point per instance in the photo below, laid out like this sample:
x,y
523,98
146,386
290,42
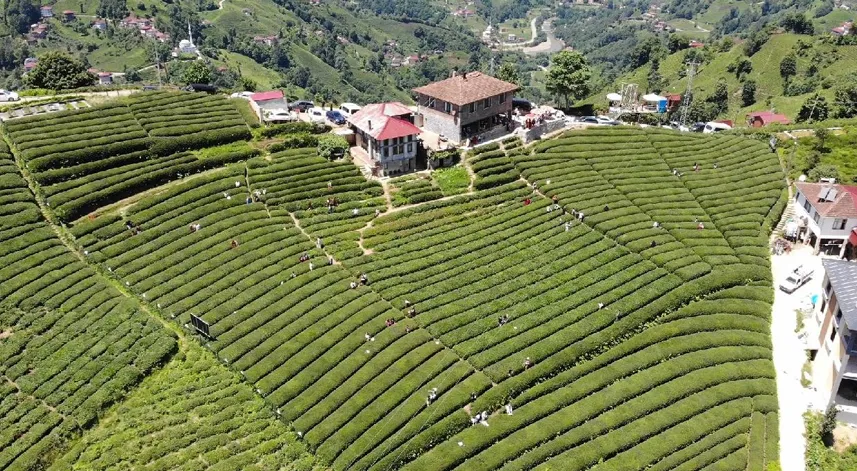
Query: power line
x,y
688,94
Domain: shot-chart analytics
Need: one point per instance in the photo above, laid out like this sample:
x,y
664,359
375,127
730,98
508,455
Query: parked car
x,y
588,120
349,109
6,95
335,117
697,127
316,114
201,87
607,121
301,106
521,104
797,278
244,95
280,116
713,127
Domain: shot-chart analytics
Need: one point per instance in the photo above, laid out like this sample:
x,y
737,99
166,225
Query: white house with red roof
x,y
264,103
387,133
828,215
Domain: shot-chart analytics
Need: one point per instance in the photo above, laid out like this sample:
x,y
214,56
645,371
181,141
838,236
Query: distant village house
x,y
764,118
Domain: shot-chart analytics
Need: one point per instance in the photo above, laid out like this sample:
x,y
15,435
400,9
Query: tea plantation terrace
x,y
635,337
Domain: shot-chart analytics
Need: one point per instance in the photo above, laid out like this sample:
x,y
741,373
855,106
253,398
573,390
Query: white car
x,y
349,109
244,95
6,95
712,127
280,116
316,114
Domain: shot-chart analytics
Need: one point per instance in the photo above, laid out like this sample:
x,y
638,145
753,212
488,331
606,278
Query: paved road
x,y
789,355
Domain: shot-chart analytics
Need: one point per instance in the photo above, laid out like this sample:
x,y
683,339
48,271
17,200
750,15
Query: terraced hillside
x,y
635,337
85,159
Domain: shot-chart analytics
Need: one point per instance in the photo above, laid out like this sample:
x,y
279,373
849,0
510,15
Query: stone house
x,y
465,106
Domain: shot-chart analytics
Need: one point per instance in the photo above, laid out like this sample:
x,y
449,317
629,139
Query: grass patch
x,y
451,181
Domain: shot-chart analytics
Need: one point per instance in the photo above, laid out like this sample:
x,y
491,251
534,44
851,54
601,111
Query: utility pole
x,y
688,94
158,65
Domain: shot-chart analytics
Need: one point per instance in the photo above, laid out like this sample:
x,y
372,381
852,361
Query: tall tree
x,y
655,80
815,108
58,71
568,76
748,93
788,67
197,72
20,14
846,99
720,97
509,72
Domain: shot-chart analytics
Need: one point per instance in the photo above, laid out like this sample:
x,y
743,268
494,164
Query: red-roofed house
x,y
46,11
843,29
466,105
67,15
829,214
268,101
696,44
764,118
387,133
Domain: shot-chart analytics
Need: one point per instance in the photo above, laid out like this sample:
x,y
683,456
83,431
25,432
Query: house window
x,y
806,205
832,333
386,152
411,147
473,107
486,103
447,107
430,102
839,224
502,98
398,150
816,218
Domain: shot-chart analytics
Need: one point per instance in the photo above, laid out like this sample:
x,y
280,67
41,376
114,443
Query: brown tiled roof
x,y
466,88
843,206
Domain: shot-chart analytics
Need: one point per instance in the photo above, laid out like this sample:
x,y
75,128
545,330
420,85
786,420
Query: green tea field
x,y
596,301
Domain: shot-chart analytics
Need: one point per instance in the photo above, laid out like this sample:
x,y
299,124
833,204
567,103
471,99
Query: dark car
x,y
697,127
201,87
335,117
521,104
301,105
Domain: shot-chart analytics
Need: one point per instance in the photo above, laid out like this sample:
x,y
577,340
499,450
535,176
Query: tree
x,y
821,136
58,71
788,67
20,14
509,72
755,42
677,42
248,84
846,99
815,108
568,76
197,72
112,9
331,146
720,97
655,80
815,174
748,93
797,23
741,66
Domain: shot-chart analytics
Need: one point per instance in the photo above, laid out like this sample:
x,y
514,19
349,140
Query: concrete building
x,y
268,102
834,367
828,214
385,131
466,106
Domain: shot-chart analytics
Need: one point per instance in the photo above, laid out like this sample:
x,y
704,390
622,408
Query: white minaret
x,y
189,33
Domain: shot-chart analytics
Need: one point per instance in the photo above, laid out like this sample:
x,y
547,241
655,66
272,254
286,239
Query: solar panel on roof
x,y
827,194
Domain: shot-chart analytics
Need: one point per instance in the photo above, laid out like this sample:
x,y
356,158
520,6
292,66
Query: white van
x,y
713,127
348,109
316,114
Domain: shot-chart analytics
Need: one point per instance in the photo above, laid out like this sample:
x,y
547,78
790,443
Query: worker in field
x,y
234,244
